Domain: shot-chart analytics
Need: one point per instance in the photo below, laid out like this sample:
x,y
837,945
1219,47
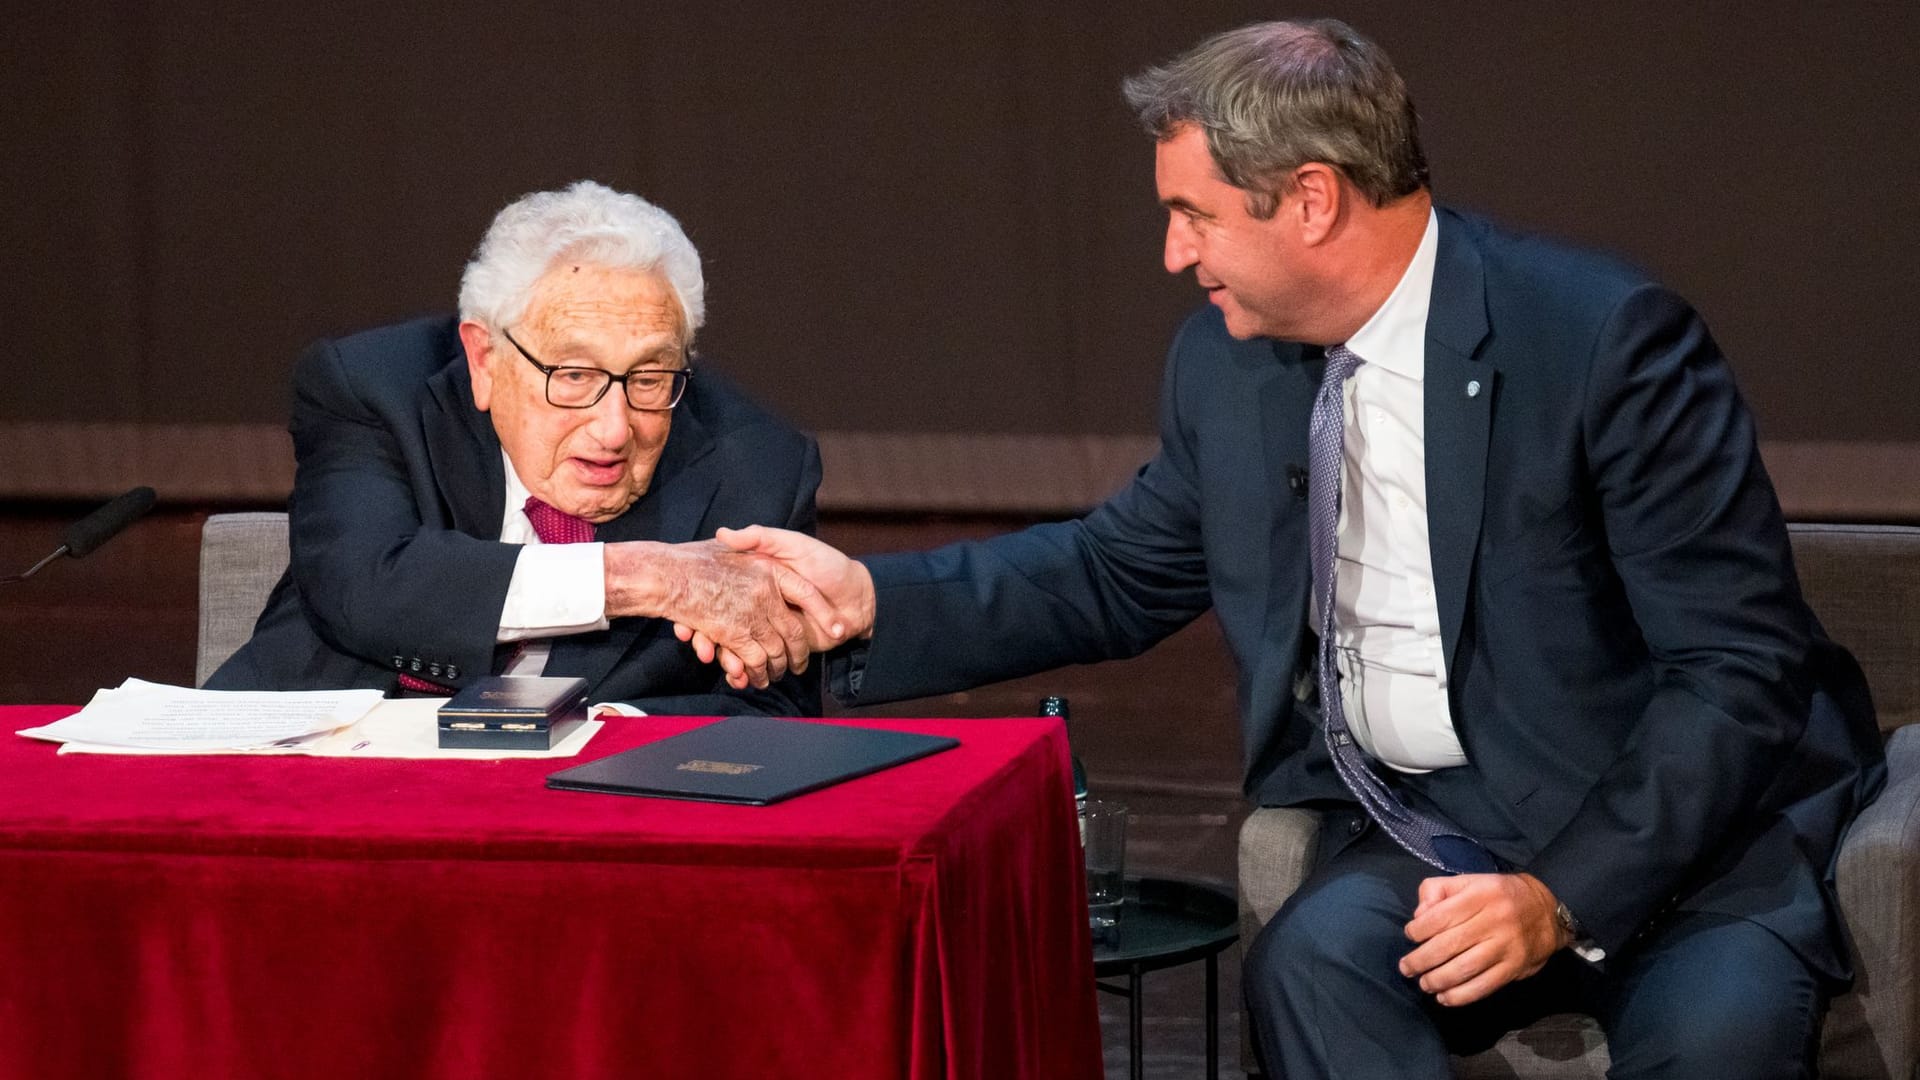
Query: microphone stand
x,y
35,568
97,528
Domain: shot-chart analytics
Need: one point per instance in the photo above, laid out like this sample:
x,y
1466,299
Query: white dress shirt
x,y
557,589
1393,678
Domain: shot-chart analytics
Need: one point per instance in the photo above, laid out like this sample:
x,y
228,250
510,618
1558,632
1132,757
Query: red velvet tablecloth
x,y
311,917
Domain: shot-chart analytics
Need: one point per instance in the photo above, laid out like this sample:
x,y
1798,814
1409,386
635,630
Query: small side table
x,y
1165,924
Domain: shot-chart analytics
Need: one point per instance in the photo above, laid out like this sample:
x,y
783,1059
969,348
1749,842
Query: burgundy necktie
x,y
552,527
557,526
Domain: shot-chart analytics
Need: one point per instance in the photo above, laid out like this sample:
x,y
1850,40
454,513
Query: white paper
x,y
397,728
152,716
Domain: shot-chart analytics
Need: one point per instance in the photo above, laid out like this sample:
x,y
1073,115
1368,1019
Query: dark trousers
x,y
1700,996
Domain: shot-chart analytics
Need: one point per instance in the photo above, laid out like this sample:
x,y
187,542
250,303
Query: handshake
x,y
758,600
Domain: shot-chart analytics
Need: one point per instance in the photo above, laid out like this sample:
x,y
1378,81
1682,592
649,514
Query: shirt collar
x,y
517,493
1396,337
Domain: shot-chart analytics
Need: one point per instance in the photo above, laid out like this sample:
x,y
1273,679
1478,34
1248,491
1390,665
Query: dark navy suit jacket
x,y
1631,668
395,523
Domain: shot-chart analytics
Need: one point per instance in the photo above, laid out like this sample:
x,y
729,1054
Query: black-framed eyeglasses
x,y
647,389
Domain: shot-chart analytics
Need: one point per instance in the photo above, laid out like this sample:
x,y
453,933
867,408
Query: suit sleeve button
x,y
452,672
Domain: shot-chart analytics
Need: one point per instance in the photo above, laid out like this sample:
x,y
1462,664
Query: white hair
x,y
586,221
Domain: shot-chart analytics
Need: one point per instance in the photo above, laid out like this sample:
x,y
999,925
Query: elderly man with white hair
x,y
530,488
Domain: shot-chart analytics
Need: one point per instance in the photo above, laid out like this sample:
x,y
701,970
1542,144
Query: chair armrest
x,y
1276,848
241,559
1878,881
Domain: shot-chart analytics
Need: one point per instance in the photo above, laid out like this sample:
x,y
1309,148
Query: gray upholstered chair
x,y
241,558
1863,581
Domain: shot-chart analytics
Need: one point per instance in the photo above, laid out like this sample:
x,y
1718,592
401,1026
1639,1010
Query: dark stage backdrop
x,y
930,231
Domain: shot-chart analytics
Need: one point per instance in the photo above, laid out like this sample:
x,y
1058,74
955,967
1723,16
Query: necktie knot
x,y
1341,362
557,526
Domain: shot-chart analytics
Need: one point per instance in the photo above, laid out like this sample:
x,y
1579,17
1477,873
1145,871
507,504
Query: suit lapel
x,y
1460,390
681,491
1285,389
671,512
464,451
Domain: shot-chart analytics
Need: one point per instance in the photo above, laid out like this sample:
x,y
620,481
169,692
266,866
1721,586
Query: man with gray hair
x,y
522,490
1485,527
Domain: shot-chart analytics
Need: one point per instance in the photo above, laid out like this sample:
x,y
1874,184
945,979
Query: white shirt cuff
x,y
556,589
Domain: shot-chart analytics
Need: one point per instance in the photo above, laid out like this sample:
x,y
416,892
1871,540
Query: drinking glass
x,y
1103,828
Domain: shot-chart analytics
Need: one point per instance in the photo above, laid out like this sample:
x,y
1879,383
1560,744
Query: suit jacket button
x,y
1356,826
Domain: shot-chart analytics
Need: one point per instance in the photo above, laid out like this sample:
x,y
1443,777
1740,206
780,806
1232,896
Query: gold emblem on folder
x,y
724,768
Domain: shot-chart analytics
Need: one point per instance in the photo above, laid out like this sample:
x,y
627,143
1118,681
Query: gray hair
x,y
586,221
1273,96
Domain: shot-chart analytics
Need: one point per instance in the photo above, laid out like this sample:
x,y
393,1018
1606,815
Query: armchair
x,y
1863,582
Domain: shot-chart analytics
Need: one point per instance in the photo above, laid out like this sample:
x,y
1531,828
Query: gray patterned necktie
x,y
1429,838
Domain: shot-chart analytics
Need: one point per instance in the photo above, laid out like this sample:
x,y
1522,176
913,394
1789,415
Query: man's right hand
x,y
759,610
845,586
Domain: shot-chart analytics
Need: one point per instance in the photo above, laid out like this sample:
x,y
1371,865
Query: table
x,y
1165,924
303,917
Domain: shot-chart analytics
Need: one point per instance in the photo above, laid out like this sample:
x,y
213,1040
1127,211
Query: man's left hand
x,y
1479,932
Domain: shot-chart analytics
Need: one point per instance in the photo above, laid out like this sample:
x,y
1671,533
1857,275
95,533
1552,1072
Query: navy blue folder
x,y
749,759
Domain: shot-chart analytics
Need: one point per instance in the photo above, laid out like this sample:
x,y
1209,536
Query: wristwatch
x,y
1583,946
1567,922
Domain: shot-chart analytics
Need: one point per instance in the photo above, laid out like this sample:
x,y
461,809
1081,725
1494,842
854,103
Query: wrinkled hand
x,y
757,609
1479,932
844,584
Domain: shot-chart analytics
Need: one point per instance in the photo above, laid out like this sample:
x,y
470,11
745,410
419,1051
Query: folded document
x,y
151,716
140,717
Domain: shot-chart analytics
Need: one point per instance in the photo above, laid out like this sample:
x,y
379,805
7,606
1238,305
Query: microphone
x,y
83,536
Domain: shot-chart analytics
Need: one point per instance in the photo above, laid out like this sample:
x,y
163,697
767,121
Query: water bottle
x,y
1103,838
1057,706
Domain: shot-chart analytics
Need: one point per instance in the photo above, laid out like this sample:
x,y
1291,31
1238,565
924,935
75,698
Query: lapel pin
x,y
1473,388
